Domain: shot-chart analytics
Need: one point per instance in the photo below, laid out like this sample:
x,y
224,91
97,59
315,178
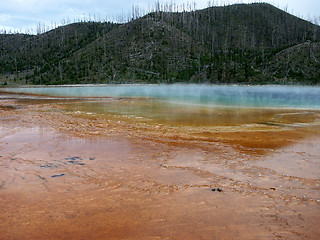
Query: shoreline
x,y
67,174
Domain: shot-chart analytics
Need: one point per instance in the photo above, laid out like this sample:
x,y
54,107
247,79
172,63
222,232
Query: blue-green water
x,y
222,95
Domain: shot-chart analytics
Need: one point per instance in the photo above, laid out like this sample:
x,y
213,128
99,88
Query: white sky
x,y
25,15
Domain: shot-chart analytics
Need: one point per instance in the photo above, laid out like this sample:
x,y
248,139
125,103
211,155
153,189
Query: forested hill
x,y
242,43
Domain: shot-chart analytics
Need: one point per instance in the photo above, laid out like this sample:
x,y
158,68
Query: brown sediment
x,y
67,174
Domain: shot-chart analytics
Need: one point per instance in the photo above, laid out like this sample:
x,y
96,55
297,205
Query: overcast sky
x,y
24,15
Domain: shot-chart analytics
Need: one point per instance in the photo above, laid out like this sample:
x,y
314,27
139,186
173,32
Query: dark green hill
x,y
243,26
37,54
142,50
242,43
301,61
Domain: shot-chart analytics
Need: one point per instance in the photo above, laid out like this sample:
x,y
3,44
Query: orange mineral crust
x,y
114,169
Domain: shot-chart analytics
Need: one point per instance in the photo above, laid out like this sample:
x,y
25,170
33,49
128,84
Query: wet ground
x,y
140,169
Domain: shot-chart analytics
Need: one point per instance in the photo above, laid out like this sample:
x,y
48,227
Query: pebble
x,y
216,189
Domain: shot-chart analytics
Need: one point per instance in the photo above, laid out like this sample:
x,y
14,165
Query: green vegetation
x,y
242,43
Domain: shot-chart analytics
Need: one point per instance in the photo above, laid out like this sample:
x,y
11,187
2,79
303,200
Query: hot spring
x,y
196,105
221,95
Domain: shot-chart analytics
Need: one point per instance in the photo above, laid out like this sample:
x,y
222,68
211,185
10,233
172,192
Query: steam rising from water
x,y
246,96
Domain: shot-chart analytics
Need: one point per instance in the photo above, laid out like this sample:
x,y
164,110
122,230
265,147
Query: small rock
x,y
76,163
41,177
59,175
74,158
49,165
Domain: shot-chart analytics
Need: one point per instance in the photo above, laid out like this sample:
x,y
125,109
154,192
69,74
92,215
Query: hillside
x,y
34,56
242,43
244,26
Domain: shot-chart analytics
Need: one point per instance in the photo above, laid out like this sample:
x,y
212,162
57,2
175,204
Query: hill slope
x,y
242,43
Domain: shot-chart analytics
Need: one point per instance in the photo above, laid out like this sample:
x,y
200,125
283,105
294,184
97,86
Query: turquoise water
x,y
221,95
